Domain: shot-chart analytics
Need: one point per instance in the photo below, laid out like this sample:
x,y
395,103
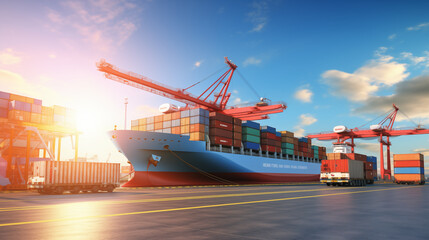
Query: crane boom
x,y
245,113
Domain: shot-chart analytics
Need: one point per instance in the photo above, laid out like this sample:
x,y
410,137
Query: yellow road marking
x,y
164,199
196,207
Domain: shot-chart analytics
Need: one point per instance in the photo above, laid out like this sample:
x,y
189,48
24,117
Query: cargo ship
x,y
188,148
208,142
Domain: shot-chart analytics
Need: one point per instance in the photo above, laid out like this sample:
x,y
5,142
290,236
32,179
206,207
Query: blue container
x,y
198,112
206,121
409,170
278,134
268,129
3,113
37,102
250,145
197,119
21,106
303,139
251,124
4,95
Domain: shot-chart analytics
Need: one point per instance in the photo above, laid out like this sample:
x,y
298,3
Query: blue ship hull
x,y
162,159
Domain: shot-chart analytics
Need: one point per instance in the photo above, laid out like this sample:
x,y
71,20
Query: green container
x,y
251,131
251,138
288,145
287,151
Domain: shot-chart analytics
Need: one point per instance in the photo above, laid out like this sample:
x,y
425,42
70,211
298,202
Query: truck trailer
x,y
56,177
344,172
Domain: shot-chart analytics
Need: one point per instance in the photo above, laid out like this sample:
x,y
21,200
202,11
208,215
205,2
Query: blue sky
x,y
332,62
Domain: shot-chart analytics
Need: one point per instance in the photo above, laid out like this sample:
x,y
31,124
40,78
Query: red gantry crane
x,y
383,131
250,112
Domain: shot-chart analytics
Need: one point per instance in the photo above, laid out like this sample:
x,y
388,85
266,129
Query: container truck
x,y
343,172
56,177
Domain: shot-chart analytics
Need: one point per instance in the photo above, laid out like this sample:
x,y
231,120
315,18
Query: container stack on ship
x,y
347,169
409,168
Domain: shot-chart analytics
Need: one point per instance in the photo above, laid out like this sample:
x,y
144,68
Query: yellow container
x,y
29,100
184,129
142,121
135,128
184,121
142,128
36,118
58,110
47,119
197,136
166,117
47,111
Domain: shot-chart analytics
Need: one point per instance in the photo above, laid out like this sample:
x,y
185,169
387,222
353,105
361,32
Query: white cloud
x,y
251,61
9,57
235,91
258,15
237,101
418,27
304,95
197,63
307,119
102,23
370,147
147,111
391,37
299,132
423,151
417,60
410,96
365,81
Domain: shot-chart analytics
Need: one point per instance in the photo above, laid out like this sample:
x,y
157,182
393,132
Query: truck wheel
x,y
328,184
59,190
110,188
94,189
75,190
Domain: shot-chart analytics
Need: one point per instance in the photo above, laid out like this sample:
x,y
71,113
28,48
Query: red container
x,y
220,117
236,142
237,135
356,156
369,175
237,121
197,128
268,135
368,166
270,142
268,148
237,128
220,141
221,125
413,163
220,133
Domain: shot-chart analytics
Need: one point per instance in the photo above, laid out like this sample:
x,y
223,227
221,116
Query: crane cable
x,y
204,79
209,175
417,125
250,86
383,114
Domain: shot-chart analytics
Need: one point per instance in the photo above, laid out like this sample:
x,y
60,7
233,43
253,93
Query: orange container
x,y
36,118
16,115
356,156
175,130
18,98
158,118
135,128
184,121
166,117
175,115
142,121
197,128
197,136
405,157
184,129
409,177
414,163
142,128
47,110
47,119
158,125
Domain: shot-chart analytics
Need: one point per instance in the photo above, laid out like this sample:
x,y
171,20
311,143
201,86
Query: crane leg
x,y
388,161
381,159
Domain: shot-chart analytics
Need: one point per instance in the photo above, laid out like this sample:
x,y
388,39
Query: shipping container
x,y
221,125
251,124
268,148
407,157
220,141
356,156
58,176
3,113
409,170
288,151
166,117
288,145
410,179
199,112
4,103
221,133
237,121
287,134
184,114
268,129
251,145
175,123
142,121
411,163
237,128
343,172
184,121
220,117
250,131
175,115
197,128
4,95
142,128
134,123
251,138
197,120
158,118
197,136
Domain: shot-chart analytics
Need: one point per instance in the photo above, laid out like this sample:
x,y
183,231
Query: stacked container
x,y
304,147
4,105
322,153
288,143
237,133
221,129
373,160
193,123
251,135
270,142
315,151
409,168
